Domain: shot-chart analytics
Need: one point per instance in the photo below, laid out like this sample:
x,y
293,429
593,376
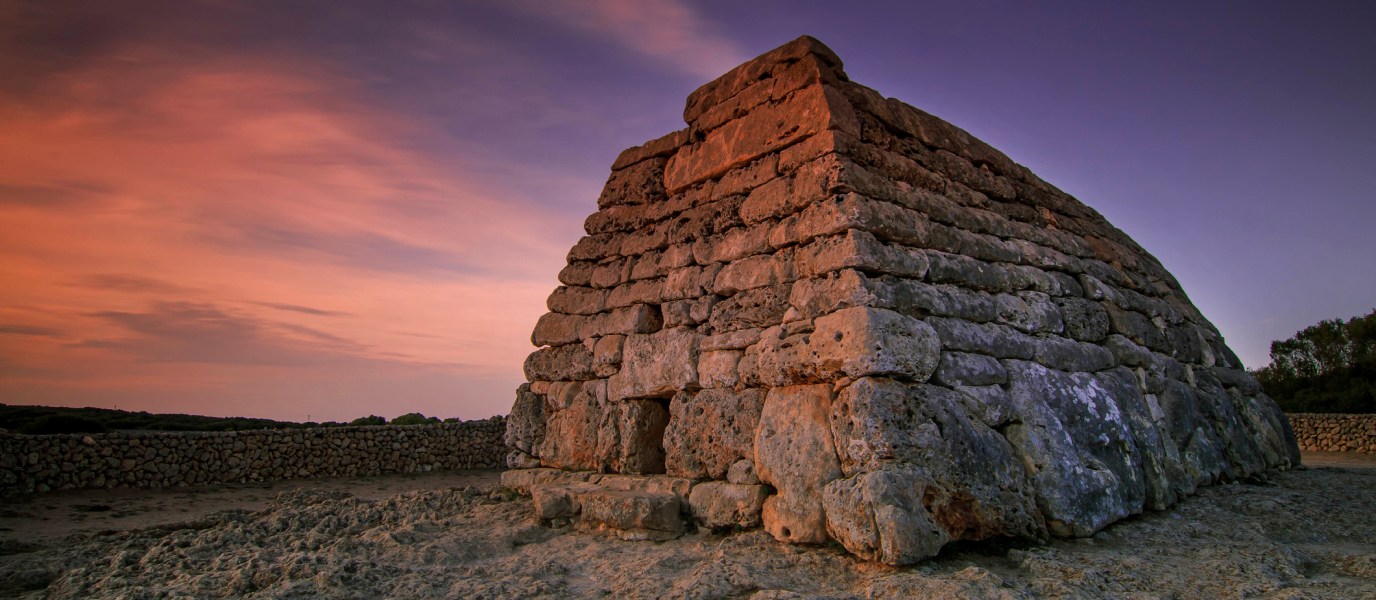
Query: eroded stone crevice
x,y
834,316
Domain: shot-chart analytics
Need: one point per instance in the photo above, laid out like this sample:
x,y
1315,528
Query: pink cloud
x,y
252,229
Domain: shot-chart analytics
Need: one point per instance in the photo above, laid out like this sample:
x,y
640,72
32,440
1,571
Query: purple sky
x,y
345,208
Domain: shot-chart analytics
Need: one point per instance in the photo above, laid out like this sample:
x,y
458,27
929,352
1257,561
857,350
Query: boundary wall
x,y
1334,432
40,463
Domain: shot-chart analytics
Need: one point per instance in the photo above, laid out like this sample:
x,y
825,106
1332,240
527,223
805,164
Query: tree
x,y
1329,367
414,419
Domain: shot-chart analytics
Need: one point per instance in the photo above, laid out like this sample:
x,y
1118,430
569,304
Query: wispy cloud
x,y
175,230
670,31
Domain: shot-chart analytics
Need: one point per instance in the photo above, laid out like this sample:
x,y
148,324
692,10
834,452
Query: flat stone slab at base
x,y
632,515
635,507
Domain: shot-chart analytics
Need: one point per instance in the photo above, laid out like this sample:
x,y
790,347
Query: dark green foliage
x,y
414,419
1327,368
63,424
37,420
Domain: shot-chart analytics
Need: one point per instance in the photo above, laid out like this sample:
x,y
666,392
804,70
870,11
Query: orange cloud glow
x,y
249,237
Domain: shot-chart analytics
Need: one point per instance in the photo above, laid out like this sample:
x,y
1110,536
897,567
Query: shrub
x,y
63,424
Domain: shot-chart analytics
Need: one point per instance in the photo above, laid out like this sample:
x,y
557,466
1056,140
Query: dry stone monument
x,y
829,314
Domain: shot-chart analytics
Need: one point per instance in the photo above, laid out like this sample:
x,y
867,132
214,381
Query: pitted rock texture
x,y
907,338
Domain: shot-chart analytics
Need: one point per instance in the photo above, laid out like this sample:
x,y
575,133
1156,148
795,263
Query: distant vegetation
x,y
1327,368
37,420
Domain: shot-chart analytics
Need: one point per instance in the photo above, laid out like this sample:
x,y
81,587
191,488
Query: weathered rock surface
x,y
904,336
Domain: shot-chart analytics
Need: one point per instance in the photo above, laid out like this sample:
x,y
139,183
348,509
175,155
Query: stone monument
x,y
827,313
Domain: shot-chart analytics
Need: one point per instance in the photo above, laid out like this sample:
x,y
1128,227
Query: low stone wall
x,y
1341,433
30,463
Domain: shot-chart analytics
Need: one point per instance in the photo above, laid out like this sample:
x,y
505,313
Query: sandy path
x,y
1309,533
42,518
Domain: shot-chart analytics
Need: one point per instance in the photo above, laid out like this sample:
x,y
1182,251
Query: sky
x,y
324,210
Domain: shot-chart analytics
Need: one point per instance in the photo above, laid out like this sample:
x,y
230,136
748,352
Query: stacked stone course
x,y
881,328
1334,432
39,463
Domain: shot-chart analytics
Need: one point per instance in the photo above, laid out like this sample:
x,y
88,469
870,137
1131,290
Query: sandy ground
x,y
1309,533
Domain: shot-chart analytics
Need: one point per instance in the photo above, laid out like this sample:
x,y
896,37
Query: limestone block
x,y
647,291
1137,327
969,272
834,291
1069,355
553,501
695,226
664,146
794,453
1084,320
577,274
733,244
826,217
784,79
960,368
577,300
656,365
859,250
525,426
764,130
1127,353
976,486
864,341
995,340
571,436
611,273
633,515
1071,437
717,369
561,394
641,183
747,74
517,459
630,437
596,247
988,404
879,516
742,472
689,313
555,329
751,309
731,340
655,484
711,430
741,181
1029,312
559,363
607,351
754,272
523,480
721,504
690,282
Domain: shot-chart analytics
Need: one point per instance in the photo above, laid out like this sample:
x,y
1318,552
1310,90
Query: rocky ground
x,y
1309,533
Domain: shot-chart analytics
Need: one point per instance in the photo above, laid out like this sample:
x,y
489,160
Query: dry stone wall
x,y
39,463
1335,433
909,338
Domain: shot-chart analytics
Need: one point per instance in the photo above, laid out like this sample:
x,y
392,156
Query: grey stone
x,y
995,340
1127,353
633,515
960,368
795,454
1084,320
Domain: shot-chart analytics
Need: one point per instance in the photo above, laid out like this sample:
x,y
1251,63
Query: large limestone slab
x,y
795,454
656,365
721,504
852,342
711,430
765,129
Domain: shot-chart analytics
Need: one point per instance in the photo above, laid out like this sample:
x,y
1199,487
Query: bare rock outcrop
x,y
829,314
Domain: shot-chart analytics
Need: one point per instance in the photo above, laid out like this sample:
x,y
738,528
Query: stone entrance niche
x,y
829,314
